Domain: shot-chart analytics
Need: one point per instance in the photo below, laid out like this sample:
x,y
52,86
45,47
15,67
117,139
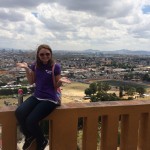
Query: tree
x,y
88,92
128,76
103,86
6,91
103,96
106,86
131,91
120,91
98,92
93,88
99,86
146,77
2,83
140,90
93,98
126,88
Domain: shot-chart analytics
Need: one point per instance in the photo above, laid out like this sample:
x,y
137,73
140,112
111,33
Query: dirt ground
x,y
73,92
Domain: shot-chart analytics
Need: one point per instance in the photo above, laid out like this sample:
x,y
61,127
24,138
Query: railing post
x,y
109,132
144,132
129,131
9,132
64,131
90,132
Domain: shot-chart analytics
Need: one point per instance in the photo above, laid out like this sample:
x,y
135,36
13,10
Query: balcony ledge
x,y
130,120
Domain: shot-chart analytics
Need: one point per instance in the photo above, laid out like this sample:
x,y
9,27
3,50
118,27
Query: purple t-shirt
x,y
44,88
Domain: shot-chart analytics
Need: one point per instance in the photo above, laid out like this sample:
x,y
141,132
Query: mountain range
x,y
120,52
92,51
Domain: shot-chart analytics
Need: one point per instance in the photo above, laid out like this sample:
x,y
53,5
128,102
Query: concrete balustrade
x,y
123,125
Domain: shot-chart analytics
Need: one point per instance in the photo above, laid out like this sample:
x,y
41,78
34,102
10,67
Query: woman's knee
x,y
19,113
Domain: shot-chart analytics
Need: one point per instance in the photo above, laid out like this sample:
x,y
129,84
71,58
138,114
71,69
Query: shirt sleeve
x,y
57,70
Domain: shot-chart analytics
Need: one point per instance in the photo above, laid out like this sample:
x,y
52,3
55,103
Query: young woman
x,y
44,100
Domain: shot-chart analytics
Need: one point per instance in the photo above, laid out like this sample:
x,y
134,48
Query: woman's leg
x,y
43,109
23,111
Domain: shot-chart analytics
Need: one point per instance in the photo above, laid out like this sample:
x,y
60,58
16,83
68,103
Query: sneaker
x,y
42,147
28,143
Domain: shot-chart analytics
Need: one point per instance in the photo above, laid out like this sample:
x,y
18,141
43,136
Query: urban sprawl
x,y
79,66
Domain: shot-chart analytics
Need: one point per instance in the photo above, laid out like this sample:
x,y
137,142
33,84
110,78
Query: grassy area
x,y
73,92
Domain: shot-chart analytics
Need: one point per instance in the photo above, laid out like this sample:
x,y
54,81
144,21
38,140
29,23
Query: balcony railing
x,y
123,125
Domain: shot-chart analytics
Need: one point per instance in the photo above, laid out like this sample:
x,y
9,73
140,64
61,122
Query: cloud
x,y
75,24
10,15
107,8
21,4
142,30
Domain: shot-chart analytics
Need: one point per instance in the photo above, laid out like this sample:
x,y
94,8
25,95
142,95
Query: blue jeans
x,y
29,114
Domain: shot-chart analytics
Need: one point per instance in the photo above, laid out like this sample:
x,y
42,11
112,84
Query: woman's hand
x,y
29,73
64,80
22,65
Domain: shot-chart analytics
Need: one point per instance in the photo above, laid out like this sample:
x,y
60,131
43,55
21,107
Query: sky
x,y
75,24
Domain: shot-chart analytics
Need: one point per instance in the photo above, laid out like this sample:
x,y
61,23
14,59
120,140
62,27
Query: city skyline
x,y
77,25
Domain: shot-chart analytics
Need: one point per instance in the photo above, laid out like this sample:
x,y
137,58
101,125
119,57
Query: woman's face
x,y
44,55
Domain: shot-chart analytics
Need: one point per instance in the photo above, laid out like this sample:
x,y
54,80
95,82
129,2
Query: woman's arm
x,y
29,73
57,79
30,76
